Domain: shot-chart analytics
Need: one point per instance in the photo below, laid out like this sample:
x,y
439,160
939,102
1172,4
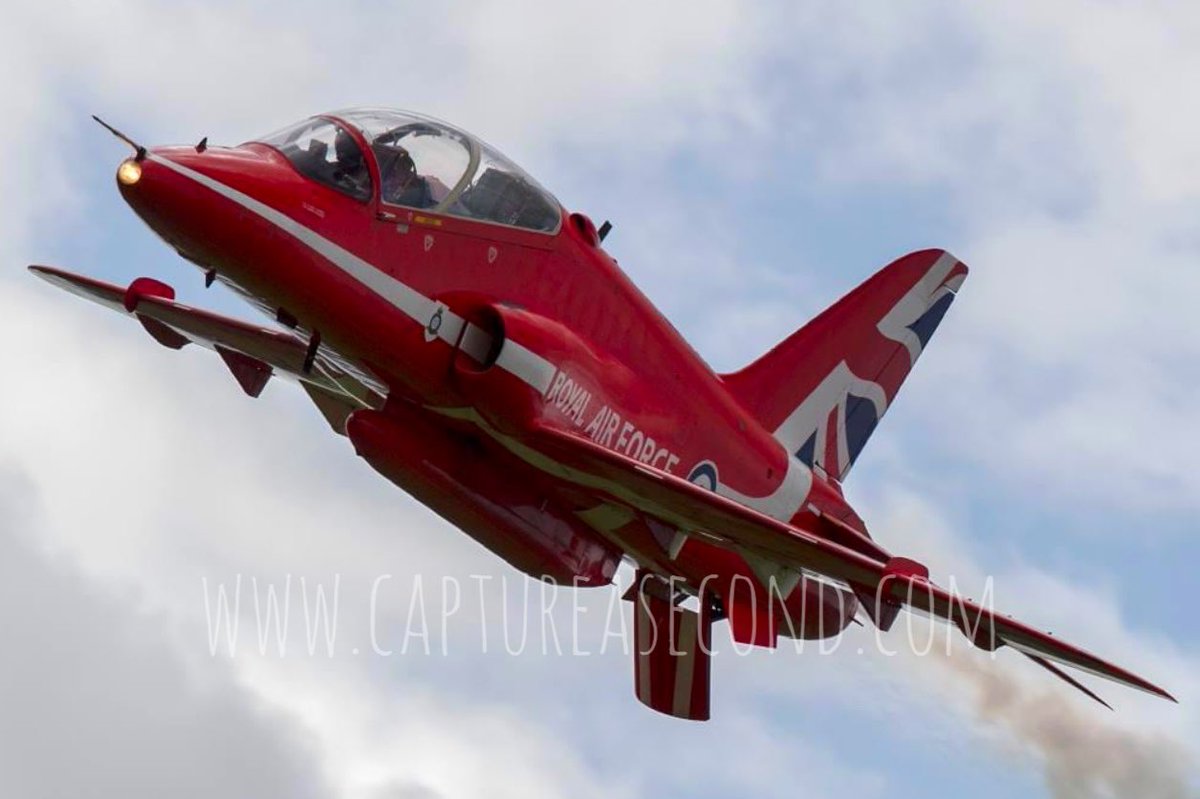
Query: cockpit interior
x,y
422,163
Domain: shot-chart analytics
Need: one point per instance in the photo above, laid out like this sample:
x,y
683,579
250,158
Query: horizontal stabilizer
x,y
1067,678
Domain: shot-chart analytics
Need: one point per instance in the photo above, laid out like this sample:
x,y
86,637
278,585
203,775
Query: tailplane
x,y
823,389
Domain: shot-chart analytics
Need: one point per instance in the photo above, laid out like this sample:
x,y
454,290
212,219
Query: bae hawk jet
x,y
478,347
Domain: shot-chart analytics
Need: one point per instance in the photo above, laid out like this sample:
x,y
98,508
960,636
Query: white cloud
x,y
1058,133
97,701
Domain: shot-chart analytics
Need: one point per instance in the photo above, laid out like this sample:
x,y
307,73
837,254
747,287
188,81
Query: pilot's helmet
x,y
403,166
395,165
346,148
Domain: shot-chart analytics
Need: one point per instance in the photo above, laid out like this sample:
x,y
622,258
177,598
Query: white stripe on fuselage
x,y
410,301
524,364
785,501
515,358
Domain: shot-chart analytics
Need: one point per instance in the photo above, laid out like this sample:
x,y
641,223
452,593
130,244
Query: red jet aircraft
x,y
481,350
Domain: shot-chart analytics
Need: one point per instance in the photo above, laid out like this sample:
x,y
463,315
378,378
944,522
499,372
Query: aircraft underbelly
x,y
451,474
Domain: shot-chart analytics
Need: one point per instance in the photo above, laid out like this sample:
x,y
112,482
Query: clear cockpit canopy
x,y
326,153
423,163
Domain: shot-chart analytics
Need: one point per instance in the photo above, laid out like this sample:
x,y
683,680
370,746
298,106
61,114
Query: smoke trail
x,y
1084,754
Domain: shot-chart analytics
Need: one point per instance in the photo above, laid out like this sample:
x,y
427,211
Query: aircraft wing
x,y
252,353
897,582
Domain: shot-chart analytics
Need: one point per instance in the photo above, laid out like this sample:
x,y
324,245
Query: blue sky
x,y
757,162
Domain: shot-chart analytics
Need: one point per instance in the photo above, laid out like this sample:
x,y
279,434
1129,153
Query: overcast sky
x,y
757,161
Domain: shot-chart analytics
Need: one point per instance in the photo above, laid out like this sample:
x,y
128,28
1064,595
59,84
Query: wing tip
x,y
1088,663
1134,681
1162,694
50,273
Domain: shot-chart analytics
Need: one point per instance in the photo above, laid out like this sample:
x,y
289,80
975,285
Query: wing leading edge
x,y
252,353
896,582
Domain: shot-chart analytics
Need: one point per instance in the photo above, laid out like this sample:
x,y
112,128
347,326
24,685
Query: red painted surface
x,y
532,396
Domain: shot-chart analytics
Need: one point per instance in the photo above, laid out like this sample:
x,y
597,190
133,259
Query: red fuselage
x,y
398,291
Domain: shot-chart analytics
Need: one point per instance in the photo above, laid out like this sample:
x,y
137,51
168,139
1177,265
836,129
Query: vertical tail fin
x,y
823,389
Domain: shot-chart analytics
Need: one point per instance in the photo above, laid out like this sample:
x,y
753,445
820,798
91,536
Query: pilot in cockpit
x,y
402,184
350,168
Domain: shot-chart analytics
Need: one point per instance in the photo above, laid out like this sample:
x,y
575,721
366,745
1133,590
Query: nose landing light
x,y
129,172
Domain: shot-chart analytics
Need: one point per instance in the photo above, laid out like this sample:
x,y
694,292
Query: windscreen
x,y
321,150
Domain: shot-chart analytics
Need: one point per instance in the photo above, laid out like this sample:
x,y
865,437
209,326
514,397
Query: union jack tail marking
x,y
823,390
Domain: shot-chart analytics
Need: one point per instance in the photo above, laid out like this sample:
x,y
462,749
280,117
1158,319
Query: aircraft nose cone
x,y
144,177
147,187
173,190
201,201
